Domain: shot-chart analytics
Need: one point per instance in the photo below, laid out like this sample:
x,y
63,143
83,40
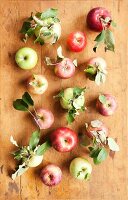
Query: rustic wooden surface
x,y
109,180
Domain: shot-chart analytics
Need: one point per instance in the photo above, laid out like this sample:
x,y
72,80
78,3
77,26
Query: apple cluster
x,y
46,28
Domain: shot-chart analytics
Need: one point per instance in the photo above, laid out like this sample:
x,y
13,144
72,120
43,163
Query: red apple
x,y
63,139
106,104
45,118
95,126
51,175
76,41
96,17
65,69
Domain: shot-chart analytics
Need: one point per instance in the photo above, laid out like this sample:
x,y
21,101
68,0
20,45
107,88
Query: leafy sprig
x,y
43,22
96,73
99,144
105,36
24,104
25,153
74,103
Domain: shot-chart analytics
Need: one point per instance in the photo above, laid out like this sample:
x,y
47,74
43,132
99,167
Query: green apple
x,y
68,94
26,58
80,168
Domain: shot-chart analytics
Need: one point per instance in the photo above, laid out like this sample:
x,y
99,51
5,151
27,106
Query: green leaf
x,y
42,148
113,146
25,27
70,118
59,53
38,39
51,12
34,140
102,155
21,169
77,91
94,152
100,37
109,41
31,32
90,70
19,104
28,99
102,99
60,95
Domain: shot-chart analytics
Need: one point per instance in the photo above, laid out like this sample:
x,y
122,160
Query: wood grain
x,y
109,180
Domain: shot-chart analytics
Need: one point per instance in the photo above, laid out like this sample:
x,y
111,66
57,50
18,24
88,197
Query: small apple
x,y
96,70
35,160
80,168
96,17
96,127
44,118
26,58
65,69
106,104
77,41
37,84
63,139
51,175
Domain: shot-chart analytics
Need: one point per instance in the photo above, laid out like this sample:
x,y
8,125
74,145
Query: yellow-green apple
x,y
26,58
80,168
37,84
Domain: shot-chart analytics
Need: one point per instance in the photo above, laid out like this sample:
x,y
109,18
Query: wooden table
x,y
109,180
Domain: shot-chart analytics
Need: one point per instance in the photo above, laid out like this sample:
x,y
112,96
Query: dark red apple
x,y
65,69
51,175
63,139
95,126
96,17
106,104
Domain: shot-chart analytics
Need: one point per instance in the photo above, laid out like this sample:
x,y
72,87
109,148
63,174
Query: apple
x,y
96,70
106,104
26,58
35,160
63,139
77,41
44,118
65,69
95,126
96,17
80,168
37,84
56,31
66,100
51,175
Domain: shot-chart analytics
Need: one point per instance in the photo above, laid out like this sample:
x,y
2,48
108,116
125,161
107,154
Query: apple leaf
x,y
21,169
102,99
84,140
102,155
77,91
96,123
109,41
71,115
28,99
90,70
13,141
113,146
25,27
48,61
19,104
34,140
42,148
59,53
38,39
49,13
100,37
60,95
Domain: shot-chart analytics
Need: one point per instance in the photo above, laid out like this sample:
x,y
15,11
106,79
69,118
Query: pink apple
x,y
51,175
64,139
97,61
37,84
95,126
96,17
65,69
106,104
44,119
